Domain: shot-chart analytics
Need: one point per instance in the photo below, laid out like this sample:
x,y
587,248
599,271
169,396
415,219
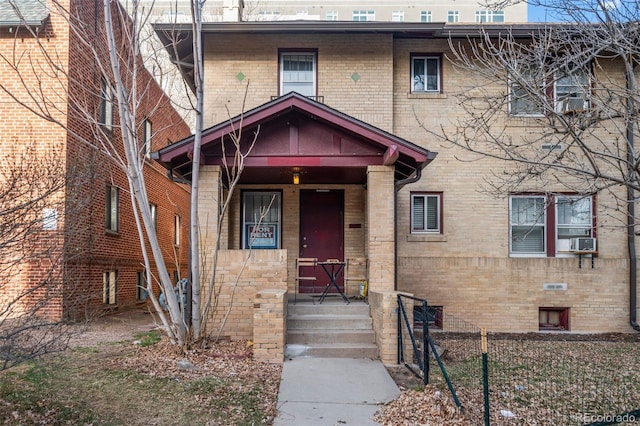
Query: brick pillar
x,y
208,213
380,229
269,325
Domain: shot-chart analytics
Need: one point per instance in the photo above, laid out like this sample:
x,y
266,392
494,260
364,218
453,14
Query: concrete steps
x,y
332,329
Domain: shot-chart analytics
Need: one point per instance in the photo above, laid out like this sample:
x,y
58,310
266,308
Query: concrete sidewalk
x,y
332,391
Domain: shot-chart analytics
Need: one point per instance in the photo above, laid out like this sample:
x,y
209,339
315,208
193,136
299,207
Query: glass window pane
x,y
418,214
432,74
432,214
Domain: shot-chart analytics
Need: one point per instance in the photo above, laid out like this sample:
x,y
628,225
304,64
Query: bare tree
x,y
111,37
31,212
574,86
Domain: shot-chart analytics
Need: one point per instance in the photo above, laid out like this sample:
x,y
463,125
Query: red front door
x,y
321,233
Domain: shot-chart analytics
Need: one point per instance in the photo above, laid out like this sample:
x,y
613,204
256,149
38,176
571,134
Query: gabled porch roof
x,y
297,134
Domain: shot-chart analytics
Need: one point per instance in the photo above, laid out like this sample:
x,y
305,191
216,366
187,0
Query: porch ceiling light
x,y
296,178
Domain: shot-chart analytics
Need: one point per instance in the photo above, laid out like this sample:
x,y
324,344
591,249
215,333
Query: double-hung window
x,y
148,133
261,219
527,225
397,16
453,16
426,213
572,89
331,15
426,16
425,73
106,105
111,208
527,94
543,225
298,73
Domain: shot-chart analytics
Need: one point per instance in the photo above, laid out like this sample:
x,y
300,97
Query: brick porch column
x,y
380,230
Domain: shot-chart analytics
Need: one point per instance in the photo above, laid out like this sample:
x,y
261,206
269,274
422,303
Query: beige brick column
x,y
380,229
208,214
269,325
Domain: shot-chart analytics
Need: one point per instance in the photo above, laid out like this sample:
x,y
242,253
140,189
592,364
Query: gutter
x,y
631,221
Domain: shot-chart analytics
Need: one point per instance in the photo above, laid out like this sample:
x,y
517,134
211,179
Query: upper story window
x,y
572,89
426,16
426,213
111,208
453,16
522,102
298,73
176,230
148,133
489,16
570,92
544,225
397,16
332,15
154,215
364,15
268,15
425,73
106,105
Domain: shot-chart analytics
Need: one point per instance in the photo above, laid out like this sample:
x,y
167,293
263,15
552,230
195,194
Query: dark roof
x,y
411,157
32,13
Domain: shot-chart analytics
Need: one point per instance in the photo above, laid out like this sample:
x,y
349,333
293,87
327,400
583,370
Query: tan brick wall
x,y
225,59
381,238
269,325
384,313
240,275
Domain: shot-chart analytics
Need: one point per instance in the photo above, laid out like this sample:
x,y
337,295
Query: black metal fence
x,y
534,378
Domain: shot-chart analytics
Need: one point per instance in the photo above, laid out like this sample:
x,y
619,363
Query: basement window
x,y
553,319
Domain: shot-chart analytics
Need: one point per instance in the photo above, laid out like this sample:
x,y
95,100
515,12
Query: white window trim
x,y
314,71
564,253
106,106
523,114
176,230
439,74
561,106
549,233
426,16
148,138
513,253
425,195
112,209
368,15
453,16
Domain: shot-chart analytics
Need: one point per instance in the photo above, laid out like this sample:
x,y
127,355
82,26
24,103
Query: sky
x,y
538,14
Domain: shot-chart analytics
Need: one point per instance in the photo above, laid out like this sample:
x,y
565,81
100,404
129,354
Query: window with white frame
x,y
332,15
426,16
453,16
364,15
543,225
397,16
261,219
525,95
425,73
111,208
176,230
146,137
426,213
106,105
109,287
154,215
572,89
489,16
298,73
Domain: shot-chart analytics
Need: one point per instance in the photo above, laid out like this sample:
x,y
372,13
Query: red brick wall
x,y
81,249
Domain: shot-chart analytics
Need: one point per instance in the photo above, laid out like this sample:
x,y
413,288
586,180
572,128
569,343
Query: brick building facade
x,y
56,101
464,258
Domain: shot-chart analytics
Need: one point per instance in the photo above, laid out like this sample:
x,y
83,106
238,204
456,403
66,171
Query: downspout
x,y
631,222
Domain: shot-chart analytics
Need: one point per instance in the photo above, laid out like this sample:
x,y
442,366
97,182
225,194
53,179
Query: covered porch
x,y
317,184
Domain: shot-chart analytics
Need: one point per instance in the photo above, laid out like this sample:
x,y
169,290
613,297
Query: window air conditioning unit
x,y
583,244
